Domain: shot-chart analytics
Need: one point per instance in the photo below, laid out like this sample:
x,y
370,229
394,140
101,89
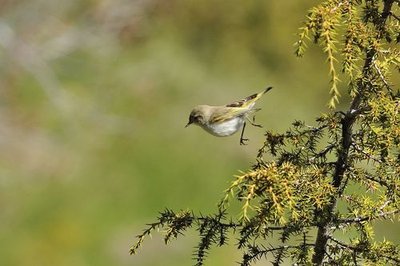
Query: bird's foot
x,y
253,122
243,141
256,125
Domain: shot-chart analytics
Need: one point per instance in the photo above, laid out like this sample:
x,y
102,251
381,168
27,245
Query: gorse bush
x,y
326,182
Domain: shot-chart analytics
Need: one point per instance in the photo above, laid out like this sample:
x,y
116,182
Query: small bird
x,y
222,121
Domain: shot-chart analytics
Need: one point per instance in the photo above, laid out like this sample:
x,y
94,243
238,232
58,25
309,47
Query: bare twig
x,y
361,219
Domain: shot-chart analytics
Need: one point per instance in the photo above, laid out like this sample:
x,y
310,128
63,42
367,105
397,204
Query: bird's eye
x,y
195,118
192,119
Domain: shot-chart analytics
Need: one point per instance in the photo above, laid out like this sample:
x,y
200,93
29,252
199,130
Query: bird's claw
x,y
253,122
243,141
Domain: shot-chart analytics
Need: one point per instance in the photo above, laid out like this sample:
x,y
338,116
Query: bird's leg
x,y
253,122
243,140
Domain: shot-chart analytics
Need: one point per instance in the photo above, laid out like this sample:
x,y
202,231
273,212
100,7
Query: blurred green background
x,y
94,98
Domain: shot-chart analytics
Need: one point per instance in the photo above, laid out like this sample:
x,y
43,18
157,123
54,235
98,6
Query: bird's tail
x,y
253,98
260,94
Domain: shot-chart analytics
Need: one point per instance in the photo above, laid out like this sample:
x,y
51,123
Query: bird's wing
x,y
237,108
249,101
226,113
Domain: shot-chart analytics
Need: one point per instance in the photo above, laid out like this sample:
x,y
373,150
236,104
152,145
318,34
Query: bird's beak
x,y
188,124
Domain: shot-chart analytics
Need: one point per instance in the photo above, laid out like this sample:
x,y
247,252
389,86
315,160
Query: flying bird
x,y
225,120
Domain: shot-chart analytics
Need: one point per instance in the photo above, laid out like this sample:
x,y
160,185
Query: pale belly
x,y
226,128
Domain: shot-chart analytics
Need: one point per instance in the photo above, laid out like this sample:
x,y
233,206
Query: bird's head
x,y
197,116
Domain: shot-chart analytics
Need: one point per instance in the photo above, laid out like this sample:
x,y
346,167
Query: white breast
x,y
226,128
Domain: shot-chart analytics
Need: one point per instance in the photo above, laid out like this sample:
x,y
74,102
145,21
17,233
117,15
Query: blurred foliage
x,y
94,98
